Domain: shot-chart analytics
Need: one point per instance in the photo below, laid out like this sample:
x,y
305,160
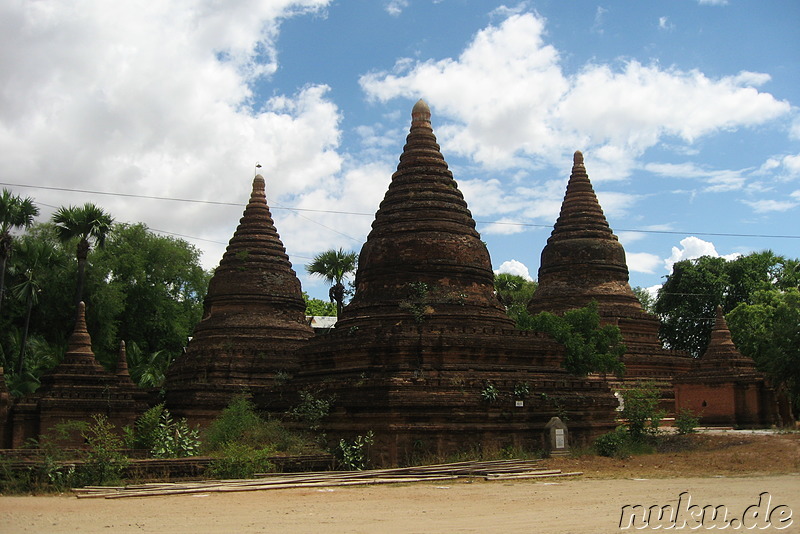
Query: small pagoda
x,y
253,321
424,355
723,387
583,261
77,389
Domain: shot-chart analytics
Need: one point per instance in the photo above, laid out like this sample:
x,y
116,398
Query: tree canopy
x,y
515,292
15,213
768,330
590,348
334,266
88,224
143,288
687,301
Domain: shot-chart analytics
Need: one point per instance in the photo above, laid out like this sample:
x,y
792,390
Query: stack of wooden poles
x,y
490,470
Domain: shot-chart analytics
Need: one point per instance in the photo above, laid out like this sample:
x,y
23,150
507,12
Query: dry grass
x,y
697,455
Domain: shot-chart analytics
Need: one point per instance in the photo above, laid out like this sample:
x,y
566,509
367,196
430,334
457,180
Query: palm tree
x,y
89,223
15,212
334,265
34,256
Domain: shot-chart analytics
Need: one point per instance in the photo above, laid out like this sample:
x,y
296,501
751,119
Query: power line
x,y
335,212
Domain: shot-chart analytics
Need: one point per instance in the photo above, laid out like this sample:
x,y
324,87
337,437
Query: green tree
x,y
645,299
589,347
334,266
159,283
89,224
768,330
515,292
35,256
687,301
317,307
15,213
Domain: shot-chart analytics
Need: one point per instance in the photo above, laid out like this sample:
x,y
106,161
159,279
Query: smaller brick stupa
x,y
77,389
584,261
724,387
253,321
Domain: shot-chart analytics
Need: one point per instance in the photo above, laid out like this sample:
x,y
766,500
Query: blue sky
x,y
686,112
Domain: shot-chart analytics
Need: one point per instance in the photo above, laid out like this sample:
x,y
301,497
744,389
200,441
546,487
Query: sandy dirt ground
x,y
731,471
568,506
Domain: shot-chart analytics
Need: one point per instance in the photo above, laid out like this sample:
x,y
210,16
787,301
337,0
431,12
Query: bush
x,y
640,409
312,409
612,444
235,421
163,437
354,454
238,460
686,421
104,462
490,393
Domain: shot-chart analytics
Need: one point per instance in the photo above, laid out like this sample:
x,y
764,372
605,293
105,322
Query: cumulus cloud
x,y
691,248
643,262
514,267
156,99
509,101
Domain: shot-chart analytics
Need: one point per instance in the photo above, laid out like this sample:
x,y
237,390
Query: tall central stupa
x,y
425,356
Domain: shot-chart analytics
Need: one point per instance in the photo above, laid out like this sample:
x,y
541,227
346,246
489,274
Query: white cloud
x,y
510,103
692,248
713,2
716,181
767,206
396,7
514,267
665,24
642,262
155,99
792,165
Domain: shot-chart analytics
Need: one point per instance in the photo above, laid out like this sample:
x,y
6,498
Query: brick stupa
x,y
424,356
77,389
584,261
253,321
724,387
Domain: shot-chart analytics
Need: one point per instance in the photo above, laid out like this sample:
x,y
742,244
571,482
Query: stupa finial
x,y
421,112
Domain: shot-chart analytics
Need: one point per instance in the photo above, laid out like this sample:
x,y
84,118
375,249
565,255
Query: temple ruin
x,y
424,356
76,390
583,261
253,321
724,387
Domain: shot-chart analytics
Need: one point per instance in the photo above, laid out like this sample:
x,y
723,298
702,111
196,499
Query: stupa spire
x,y
583,259
122,362
253,319
79,341
423,251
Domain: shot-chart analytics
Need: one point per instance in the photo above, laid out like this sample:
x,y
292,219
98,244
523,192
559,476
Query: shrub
x,y
163,437
686,421
239,460
104,462
640,409
312,409
233,423
354,454
613,443
490,393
